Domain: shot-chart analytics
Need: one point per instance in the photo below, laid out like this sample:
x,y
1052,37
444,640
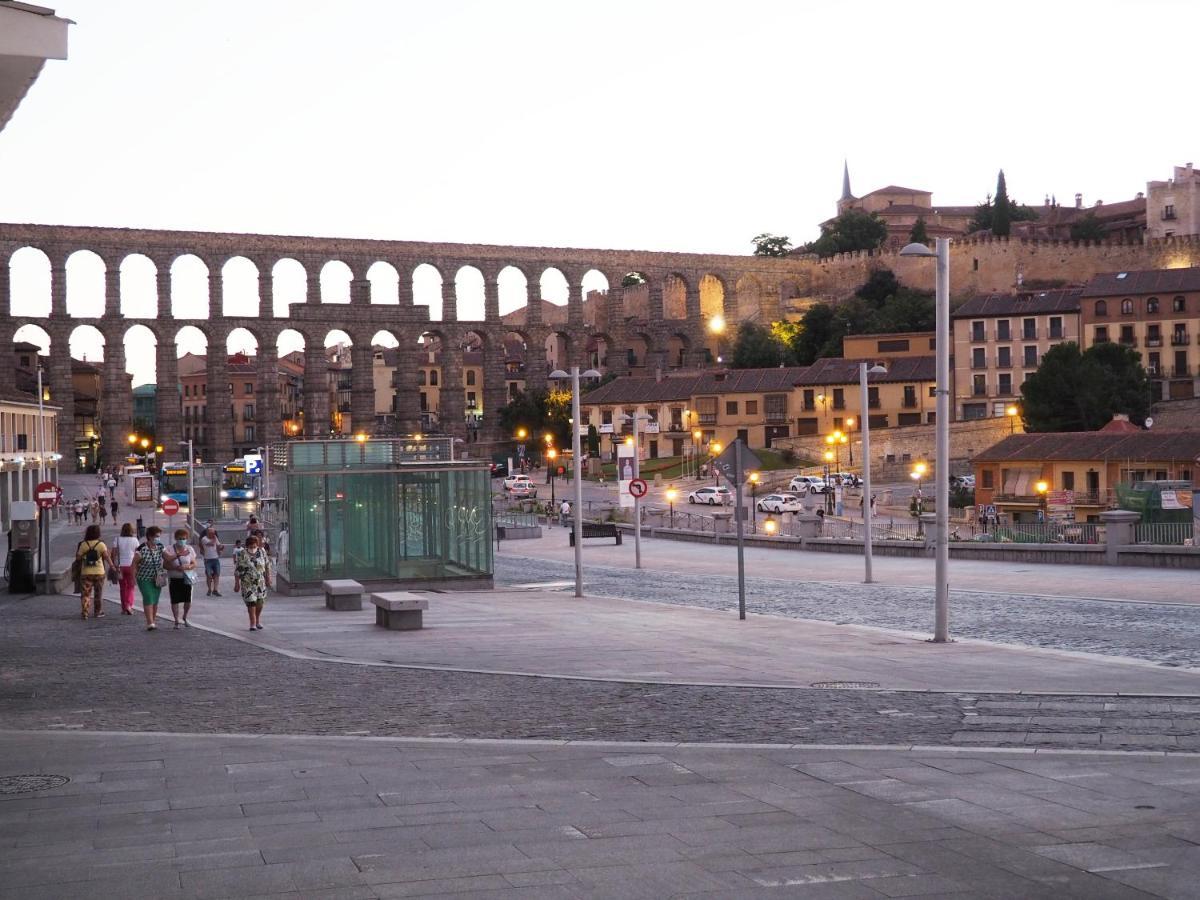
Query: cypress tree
x,y
918,235
1001,209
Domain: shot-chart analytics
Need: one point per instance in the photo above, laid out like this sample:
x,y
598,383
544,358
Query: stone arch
x,y
87,344
289,284
469,293
189,287
385,338
594,287
242,340
338,337
476,349
240,288
639,349
32,333
635,295
141,357
675,289
428,285
85,272
555,292
385,283
558,346
599,345
138,287
335,281
751,298
712,297
29,281
190,339
289,340
513,288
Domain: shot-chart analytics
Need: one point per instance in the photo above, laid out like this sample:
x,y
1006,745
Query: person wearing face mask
x,y
180,562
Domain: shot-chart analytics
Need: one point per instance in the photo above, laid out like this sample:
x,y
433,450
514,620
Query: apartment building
x,y
1157,313
828,394
999,340
885,346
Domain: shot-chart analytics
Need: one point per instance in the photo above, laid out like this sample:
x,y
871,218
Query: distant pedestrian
x,y
252,578
114,507
94,562
210,549
94,511
180,562
150,574
111,484
564,513
127,546
103,512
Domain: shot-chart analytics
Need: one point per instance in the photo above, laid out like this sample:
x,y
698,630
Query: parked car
x,y
713,496
522,490
963,481
498,469
808,484
780,503
511,480
845,479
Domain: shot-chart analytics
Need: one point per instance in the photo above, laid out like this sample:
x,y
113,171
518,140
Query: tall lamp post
x,y
576,449
672,495
918,502
850,442
714,450
191,484
941,461
697,437
754,479
1011,411
828,490
551,466
865,427
1042,487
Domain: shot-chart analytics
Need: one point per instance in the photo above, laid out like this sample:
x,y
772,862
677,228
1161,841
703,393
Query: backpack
x,y
91,556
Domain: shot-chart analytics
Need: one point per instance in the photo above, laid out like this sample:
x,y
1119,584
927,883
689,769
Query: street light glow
x,y
828,456
133,439
1041,487
716,324
1010,410
920,468
672,494
715,447
522,434
770,526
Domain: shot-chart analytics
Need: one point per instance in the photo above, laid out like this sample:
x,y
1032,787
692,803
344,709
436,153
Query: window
x,y
1152,305
424,402
22,442
1101,308
910,395
203,390
422,380
872,398
247,389
894,346
731,407
987,478
1127,307
1127,337
1168,212
472,402
1004,384
706,410
977,331
808,399
974,410
933,391
1068,481
752,407
1029,329
1003,329
433,377
1179,304
979,386
1031,356
470,377
248,433
606,417
248,413
1056,327
1100,335
775,407
1154,365
978,358
839,398
1004,357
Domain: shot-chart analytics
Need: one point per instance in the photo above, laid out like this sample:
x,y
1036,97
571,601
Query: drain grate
x,y
24,784
846,685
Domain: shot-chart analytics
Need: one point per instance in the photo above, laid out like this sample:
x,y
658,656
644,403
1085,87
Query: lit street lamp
x,y
1011,411
714,450
941,554
918,501
552,455
1042,487
828,492
754,479
672,494
850,447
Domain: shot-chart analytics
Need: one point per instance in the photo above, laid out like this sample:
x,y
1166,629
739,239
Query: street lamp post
x,y
576,449
552,455
850,443
755,478
714,450
697,437
865,427
918,501
941,615
1011,411
191,484
1042,487
672,494
828,492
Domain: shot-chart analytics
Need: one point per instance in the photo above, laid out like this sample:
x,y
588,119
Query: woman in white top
x,y
126,545
180,562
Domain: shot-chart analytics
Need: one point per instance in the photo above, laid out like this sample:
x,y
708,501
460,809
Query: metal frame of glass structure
x,y
389,511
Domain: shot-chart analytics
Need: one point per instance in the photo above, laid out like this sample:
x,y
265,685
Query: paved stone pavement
x,y
1163,633
121,677
206,816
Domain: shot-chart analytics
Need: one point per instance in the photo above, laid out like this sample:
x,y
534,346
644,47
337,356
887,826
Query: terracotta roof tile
x,y
1151,281
1025,303
1096,445
835,370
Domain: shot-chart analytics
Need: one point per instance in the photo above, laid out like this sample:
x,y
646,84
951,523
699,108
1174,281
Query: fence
x,y
1164,533
881,530
514,519
1030,533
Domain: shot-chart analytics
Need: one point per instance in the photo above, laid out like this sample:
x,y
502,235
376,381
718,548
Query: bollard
x,y
141,529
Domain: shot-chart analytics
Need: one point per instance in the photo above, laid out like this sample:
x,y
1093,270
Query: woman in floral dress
x,y
252,577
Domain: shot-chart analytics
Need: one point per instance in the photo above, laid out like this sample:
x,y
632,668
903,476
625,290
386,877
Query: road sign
x,y
170,507
48,495
627,471
728,462
638,487
254,464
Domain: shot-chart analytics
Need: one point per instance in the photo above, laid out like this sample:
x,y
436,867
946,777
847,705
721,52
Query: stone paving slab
x,y
590,820
553,634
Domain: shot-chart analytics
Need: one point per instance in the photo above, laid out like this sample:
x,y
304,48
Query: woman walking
x,y
94,562
252,577
180,560
148,567
126,548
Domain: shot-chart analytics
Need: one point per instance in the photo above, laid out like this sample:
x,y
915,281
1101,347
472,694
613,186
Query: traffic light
x,y
562,470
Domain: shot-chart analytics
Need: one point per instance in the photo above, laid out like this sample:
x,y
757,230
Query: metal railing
x,y
1030,533
1163,533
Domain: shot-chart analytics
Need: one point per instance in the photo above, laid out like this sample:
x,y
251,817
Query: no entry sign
x,y
170,507
48,495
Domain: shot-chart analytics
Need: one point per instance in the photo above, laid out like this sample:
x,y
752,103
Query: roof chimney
x,y
1079,201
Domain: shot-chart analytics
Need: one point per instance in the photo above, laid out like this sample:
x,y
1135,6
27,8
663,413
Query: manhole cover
x,y
846,685
23,784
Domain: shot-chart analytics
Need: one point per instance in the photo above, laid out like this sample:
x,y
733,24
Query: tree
x,y
756,347
539,413
767,244
1087,229
908,310
852,230
1001,213
1075,390
919,234
879,286
816,328
633,279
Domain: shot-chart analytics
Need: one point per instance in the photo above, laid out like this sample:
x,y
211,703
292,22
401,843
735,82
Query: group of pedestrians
x,y
150,565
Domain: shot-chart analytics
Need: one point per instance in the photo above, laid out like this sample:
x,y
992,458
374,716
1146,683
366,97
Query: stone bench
x,y
342,594
399,610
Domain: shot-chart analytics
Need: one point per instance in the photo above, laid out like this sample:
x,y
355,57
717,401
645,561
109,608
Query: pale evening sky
x,y
650,125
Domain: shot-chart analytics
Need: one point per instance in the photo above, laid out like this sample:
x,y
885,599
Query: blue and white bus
x,y
236,485
173,482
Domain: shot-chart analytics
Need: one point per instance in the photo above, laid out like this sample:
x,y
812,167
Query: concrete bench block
x,y
399,610
342,594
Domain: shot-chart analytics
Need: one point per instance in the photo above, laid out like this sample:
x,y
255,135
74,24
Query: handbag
x,y
160,580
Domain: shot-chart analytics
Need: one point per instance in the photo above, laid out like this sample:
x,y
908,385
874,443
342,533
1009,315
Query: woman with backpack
x,y
150,574
180,560
94,562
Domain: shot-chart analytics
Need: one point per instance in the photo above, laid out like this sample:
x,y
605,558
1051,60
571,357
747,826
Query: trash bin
x,y
19,569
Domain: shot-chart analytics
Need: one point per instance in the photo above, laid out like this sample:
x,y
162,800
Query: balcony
x,y
1100,339
1003,335
1181,371
1029,334
1057,334
707,418
1128,340
979,364
1154,340
776,418
979,390
978,336
909,403
1179,339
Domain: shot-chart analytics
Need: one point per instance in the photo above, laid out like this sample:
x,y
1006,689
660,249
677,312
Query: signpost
x,y
170,509
732,463
48,495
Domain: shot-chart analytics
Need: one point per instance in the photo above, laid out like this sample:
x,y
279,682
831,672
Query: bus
x,y
173,482
236,485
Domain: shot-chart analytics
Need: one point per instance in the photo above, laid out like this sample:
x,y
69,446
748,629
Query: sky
x,y
689,126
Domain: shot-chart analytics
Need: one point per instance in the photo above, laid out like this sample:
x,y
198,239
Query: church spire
x,y
846,195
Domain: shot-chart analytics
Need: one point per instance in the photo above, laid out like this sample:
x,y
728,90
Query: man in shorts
x,y
211,547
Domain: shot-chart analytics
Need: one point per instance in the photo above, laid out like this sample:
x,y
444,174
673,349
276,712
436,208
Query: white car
x,y
780,503
713,496
510,480
808,484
